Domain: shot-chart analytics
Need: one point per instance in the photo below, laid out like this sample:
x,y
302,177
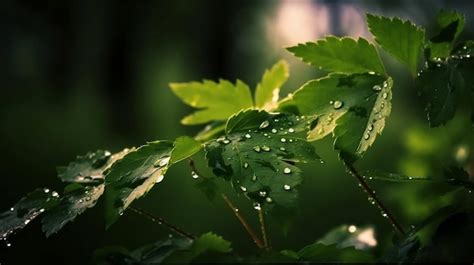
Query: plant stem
x,y
244,223
261,219
235,210
161,221
371,193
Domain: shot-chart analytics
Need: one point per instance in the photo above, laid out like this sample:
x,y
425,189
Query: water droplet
x,y
248,136
257,149
236,209
385,95
287,170
291,130
331,102
274,130
338,104
269,200
27,221
276,120
41,210
282,149
291,140
162,161
9,244
371,73
254,177
352,228
370,128
377,88
266,148
286,187
194,175
283,140
264,124
265,134
257,206
244,189
262,193
246,165
46,190
55,194
12,209
384,214
366,136
226,141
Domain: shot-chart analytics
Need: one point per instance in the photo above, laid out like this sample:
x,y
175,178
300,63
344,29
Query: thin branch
x,y
235,210
261,219
371,193
244,223
161,221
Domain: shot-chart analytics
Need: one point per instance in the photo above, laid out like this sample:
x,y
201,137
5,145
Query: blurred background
x,y
88,75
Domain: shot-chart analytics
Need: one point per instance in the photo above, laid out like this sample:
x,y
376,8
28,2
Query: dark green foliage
x,y
259,151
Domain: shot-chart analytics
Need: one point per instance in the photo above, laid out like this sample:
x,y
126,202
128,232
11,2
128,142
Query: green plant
x,y
256,144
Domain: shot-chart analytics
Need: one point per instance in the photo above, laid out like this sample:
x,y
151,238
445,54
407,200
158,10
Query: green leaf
x,y
154,253
344,55
212,130
352,107
267,91
172,250
25,210
445,84
134,175
75,201
216,101
90,167
259,160
402,39
318,252
451,25
184,147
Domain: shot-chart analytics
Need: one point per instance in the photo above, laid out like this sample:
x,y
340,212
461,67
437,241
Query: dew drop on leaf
x,y
266,148
286,187
338,104
246,165
262,193
248,136
385,95
257,149
244,189
274,130
46,190
283,140
257,206
264,124
268,199
291,130
287,170
377,88
194,175
366,136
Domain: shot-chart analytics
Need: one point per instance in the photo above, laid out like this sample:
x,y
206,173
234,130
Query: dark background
x,y
83,75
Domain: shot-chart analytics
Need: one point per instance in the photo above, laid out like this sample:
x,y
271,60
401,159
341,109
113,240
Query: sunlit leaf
x,y
184,147
402,39
267,91
134,175
345,55
352,107
215,101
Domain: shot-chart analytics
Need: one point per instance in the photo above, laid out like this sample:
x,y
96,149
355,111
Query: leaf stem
x,y
161,221
371,193
235,210
244,223
261,219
